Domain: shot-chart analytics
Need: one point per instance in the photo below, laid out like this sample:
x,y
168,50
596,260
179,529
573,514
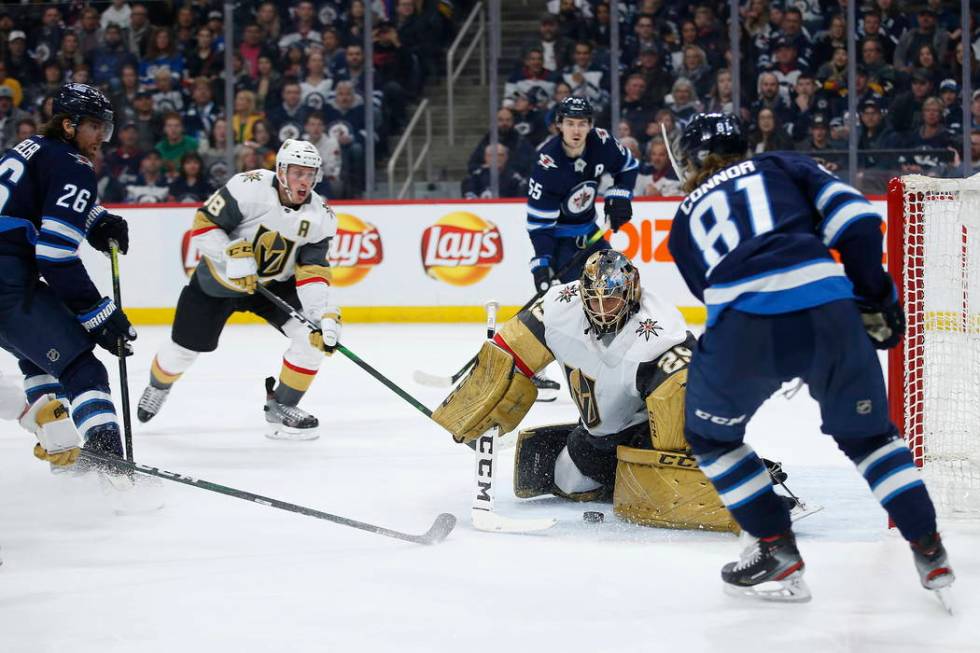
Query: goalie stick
x,y
439,381
483,516
440,528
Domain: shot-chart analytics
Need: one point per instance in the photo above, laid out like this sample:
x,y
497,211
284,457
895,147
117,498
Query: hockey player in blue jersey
x,y
561,200
752,239
48,206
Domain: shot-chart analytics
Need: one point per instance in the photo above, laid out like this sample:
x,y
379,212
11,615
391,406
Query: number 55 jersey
x,y
756,236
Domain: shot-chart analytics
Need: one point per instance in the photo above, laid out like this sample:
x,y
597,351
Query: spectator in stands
x,y
268,20
46,38
108,60
52,79
926,33
147,120
185,32
533,79
202,112
520,153
329,148
245,116
658,80
833,74
9,117
905,110
695,69
289,113
562,91
303,32
352,69
956,69
643,36
216,25
213,153
528,120
586,78
80,74
634,108
874,134
925,59
709,36
139,29
69,54
931,135
13,84
880,72
555,49
124,99
268,84
26,127
808,101
834,37
175,143
871,27
167,96
316,87
332,50
657,177
949,93
688,36
190,185
572,22
975,152
768,135
19,64
772,97
116,14
204,61
819,141
161,54
416,35
785,65
683,102
398,69
251,48
477,183
598,30
123,161
151,184
345,121
975,109
264,144
721,98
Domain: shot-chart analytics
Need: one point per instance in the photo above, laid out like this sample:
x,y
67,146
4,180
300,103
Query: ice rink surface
x,y
211,573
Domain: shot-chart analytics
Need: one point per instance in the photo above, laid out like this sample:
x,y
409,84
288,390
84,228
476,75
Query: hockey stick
x,y
437,381
121,354
440,528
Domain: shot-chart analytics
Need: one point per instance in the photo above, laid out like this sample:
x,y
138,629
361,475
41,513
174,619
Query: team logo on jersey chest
x,y
272,251
567,293
545,161
648,328
583,392
254,175
581,198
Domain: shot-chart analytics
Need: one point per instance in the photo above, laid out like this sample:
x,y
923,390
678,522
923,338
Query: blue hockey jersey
x,y
757,235
48,204
562,191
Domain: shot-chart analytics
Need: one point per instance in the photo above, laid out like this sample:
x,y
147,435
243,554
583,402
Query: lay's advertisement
x,y
400,261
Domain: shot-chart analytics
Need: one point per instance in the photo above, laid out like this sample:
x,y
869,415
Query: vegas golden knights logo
x,y
583,391
271,251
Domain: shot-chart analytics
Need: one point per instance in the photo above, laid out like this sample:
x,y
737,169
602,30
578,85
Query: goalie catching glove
x,y
58,441
328,336
240,265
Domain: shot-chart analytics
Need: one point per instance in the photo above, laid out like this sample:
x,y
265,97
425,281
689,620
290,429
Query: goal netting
x,y
934,374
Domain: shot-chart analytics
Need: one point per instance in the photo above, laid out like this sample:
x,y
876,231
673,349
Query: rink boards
x,y
408,261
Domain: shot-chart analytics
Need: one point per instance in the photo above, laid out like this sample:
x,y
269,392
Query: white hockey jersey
x,y
602,374
248,207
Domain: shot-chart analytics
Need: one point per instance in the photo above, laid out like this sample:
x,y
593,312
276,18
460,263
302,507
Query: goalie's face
x,y
609,290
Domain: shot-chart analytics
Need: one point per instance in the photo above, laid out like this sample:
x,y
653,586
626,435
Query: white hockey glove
x,y
58,441
327,338
240,265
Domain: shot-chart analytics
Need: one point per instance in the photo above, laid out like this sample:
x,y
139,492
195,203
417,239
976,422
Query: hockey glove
x,y
328,336
58,441
884,321
109,227
240,266
619,211
106,323
544,276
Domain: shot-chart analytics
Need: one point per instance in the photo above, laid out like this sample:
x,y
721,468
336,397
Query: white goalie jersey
x,y
604,375
287,242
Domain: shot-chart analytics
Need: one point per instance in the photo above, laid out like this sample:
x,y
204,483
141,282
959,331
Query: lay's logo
x,y
354,250
461,248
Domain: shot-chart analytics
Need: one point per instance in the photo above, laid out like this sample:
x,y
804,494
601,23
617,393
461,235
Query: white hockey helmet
x,y
300,153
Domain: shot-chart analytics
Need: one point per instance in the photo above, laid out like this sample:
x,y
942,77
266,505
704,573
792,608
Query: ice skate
x,y
151,402
547,389
935,573
769,569
289,422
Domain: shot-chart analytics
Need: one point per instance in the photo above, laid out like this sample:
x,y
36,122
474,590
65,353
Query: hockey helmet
x,y
712,133
80,101
610,291
574,107
299,153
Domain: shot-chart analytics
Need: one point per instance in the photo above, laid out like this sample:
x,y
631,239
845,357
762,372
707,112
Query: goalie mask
x,y
610,291
298,153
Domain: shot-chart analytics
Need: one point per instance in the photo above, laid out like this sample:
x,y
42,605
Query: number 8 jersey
x,y
756,236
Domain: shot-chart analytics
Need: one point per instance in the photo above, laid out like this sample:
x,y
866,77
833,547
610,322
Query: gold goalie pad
x,y
665,407
494,393
666,489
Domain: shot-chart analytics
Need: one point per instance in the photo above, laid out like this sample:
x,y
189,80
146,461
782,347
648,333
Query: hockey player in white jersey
x,y
624,353
268,228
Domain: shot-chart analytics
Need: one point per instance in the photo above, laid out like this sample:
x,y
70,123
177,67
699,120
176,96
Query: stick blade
x,y
441,528
431,380
491,522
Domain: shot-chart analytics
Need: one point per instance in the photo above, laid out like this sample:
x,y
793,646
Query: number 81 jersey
x,y
756,236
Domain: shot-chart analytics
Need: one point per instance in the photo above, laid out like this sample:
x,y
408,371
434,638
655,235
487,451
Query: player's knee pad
x,y
535,456
171,361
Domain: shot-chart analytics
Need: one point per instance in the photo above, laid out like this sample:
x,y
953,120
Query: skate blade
x,y
279,432
945,596
491,522
803,510
792,589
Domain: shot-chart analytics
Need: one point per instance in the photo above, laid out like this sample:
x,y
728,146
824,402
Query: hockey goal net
x,y
934,374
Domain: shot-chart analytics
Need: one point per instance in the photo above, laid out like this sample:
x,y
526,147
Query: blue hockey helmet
x,y
80,101
574,107
712,133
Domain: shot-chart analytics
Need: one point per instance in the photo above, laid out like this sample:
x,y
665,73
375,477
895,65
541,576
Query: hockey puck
x,y
593,517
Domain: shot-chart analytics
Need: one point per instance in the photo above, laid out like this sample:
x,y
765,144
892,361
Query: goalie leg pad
x,y
534,459
493,394
666,489
665,407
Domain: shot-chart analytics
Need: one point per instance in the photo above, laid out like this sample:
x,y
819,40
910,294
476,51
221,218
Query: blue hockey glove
x,y
107,324
618,210
884,321
109,227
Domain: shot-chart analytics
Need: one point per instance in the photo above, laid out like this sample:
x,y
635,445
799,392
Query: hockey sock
x,y
294,381
743,483
37,382
87,384
887,465
169,364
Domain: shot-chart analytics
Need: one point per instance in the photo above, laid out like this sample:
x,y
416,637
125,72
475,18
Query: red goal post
x,y
933,241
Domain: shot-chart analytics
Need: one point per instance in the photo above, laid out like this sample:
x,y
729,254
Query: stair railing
x,y
452,73
412,163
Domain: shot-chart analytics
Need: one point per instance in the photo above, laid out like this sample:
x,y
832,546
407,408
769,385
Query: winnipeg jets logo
x,y
83,160
581,198
648,328
546,162
602,134
580,165
567,293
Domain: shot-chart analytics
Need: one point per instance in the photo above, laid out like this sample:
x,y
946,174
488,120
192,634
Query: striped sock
x,y
743,483
161,378
93,409
898,486
294,381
